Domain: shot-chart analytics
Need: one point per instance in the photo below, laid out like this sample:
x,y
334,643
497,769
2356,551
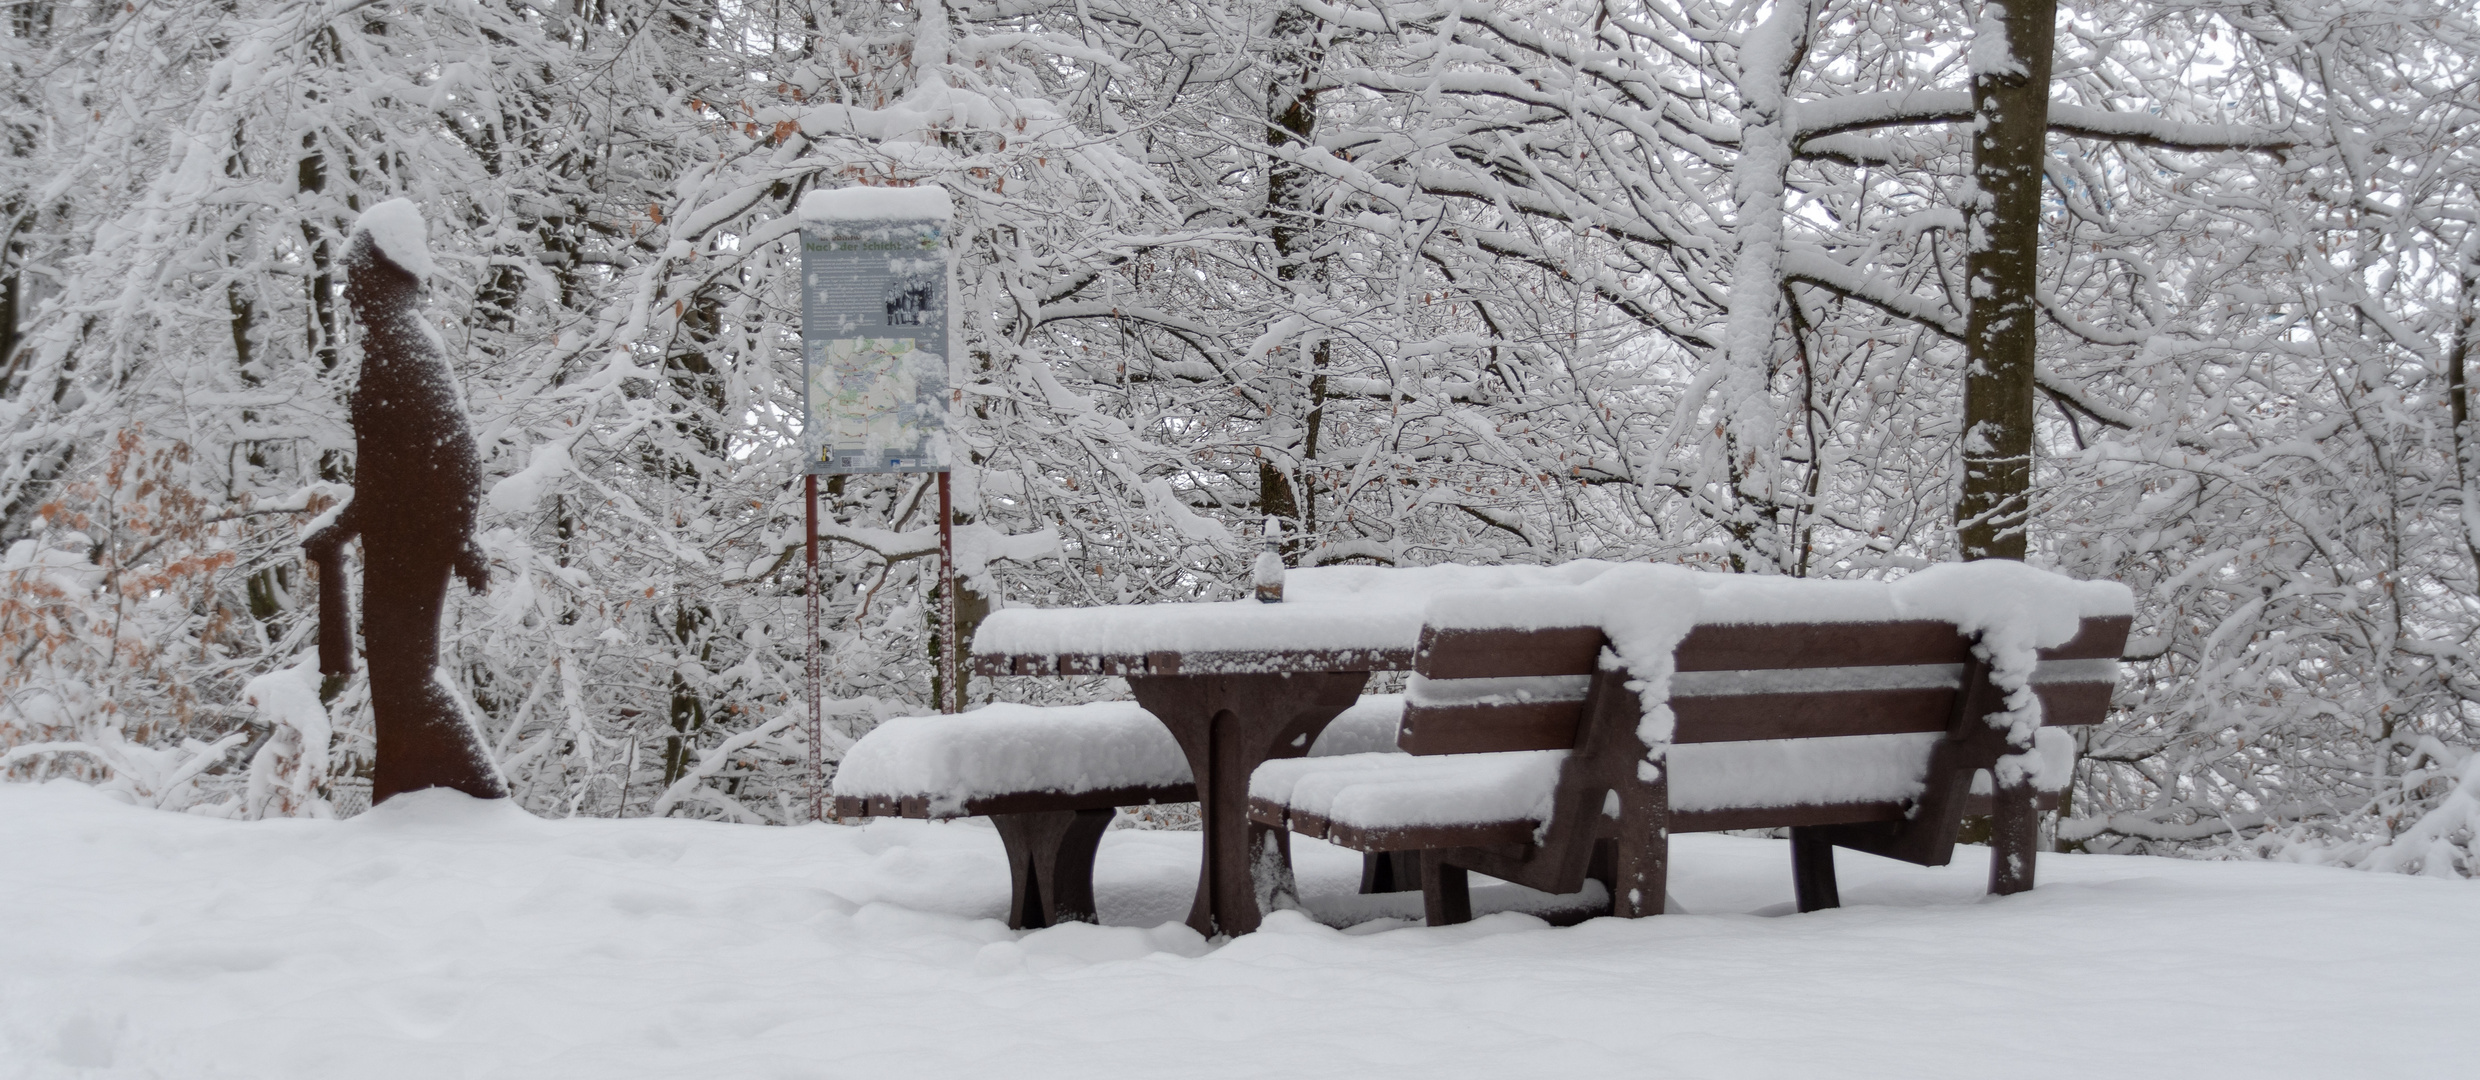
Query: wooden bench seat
x,y
1396,802
1051,779
1526,762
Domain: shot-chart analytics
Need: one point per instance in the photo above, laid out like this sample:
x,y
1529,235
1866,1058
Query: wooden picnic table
x,y
1242,683
1237,684
1765,660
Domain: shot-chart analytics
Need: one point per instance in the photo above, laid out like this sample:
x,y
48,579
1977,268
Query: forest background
x,y
1429,280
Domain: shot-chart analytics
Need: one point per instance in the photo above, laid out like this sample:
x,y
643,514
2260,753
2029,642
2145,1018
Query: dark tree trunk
x,y
2010,91
1292,220
416,488
2458,404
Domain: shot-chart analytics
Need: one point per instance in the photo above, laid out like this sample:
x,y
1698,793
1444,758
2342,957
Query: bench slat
x,y
1483,729
1748,717
1451,653
1551,725
1757,646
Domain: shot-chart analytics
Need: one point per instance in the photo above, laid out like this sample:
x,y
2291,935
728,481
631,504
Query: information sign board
x,y
875,330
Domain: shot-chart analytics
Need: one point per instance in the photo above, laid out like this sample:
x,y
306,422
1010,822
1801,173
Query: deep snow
x,y
438,937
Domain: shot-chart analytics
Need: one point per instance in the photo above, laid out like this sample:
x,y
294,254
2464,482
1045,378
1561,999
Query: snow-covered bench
x,y
1050,778
1534,754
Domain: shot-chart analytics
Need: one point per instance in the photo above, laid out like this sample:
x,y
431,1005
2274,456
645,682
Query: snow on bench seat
x,y
1380,799
1830,771
955,765
956,761
1361,796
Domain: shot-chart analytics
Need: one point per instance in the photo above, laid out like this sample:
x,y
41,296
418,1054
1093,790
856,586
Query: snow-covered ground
x,y
439,937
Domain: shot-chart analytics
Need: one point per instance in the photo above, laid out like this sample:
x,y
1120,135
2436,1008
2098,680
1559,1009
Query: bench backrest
x,y
1486,690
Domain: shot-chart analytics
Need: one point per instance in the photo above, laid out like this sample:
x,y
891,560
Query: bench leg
x,y
1446,893
1390,871
1051,864
1812,870
1640,878
2014,839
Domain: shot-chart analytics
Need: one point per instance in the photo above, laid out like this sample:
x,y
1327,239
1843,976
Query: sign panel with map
x,y
874,340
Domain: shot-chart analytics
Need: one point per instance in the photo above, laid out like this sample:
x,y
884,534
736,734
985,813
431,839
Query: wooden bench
x,y
1527,764
1051,779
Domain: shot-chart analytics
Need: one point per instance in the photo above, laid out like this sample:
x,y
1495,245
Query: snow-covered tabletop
x,y
1363,618
1334,618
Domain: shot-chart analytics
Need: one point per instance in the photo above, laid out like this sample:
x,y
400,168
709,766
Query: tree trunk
x,y
2010,92
2458,407
1292,223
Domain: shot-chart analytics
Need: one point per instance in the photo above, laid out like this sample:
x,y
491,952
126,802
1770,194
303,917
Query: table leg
x,y
1227,725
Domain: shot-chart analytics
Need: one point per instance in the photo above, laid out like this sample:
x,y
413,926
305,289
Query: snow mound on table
x,y
1642,605
1326,607
1236,626
923,202
396,228
1417,584
998,749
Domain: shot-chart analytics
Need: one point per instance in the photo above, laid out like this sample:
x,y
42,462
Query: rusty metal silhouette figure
x,y
416,487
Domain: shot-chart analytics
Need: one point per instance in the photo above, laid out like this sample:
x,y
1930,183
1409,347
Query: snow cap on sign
x,y
396,227
918,203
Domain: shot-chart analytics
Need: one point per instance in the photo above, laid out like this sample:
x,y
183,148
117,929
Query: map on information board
x,y
874,331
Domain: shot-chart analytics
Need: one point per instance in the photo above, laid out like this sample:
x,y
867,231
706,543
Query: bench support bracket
x,y
1051,864
1446,893
2014,838
1812,869
1390,871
